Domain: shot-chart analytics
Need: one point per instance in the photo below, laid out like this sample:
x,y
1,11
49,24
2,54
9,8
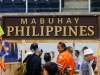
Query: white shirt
x,y
80,58
53,60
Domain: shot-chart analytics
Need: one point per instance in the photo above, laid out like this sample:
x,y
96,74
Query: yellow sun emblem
x,y
60,57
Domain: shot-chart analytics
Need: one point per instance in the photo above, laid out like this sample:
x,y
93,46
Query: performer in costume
x,y
3,51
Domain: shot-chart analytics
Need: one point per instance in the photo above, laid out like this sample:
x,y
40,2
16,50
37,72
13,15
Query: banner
x,y
50,27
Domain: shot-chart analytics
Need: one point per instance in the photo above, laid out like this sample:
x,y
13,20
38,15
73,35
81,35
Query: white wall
x,y
48,47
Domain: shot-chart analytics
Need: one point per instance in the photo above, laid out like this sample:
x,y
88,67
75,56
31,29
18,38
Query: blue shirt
x,y
85,67
20,60
76,60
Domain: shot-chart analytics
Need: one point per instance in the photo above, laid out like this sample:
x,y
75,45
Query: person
x,y
86,68
94,64
3,49
31,51
3,53
34,62
53,56
41,54
84,48
77,54
47,57
70,50
20,59
50,68
65,59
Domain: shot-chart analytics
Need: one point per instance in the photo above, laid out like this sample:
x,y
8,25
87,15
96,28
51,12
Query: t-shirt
x,y
80,58
53,60
64,60
86,68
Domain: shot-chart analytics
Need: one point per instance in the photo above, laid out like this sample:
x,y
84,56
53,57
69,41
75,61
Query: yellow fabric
x,y
99,51
22,69
1,31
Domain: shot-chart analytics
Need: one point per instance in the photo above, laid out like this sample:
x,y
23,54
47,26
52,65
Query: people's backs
x,y
64,60
34,65
28,53
27,58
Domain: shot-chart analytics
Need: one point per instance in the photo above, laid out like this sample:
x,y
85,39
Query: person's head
x,y
36,49
61,47
84,48
77,53
69,49
33,46
50,68
47,57
53,54
88,53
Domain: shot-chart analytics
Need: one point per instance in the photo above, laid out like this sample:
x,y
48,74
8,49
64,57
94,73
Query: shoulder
x,y
61,56
80,57
84,63
65,53
34,57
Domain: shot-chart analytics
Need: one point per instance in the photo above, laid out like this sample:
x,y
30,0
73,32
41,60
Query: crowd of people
x,y
66,62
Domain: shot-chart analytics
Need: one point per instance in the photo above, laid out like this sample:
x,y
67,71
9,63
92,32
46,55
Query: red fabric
x,y
2,65
0,37
95,58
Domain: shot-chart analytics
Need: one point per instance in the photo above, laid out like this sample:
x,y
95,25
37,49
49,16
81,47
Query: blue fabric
x,y
20,60
38,49
85,67
2,52
76,59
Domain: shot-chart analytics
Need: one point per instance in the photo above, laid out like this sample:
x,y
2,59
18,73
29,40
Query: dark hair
x,y
52,51
84,48
51,68
42,50
34,46
77,51
62,45
47,57
69,48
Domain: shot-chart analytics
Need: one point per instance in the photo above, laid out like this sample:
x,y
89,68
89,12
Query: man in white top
x,y
77,54
53,56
